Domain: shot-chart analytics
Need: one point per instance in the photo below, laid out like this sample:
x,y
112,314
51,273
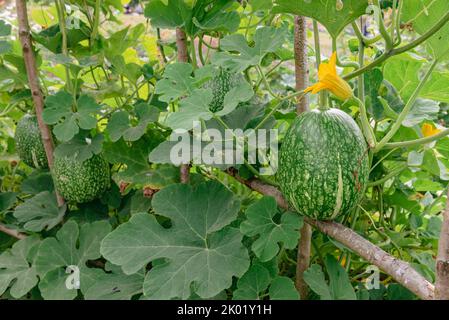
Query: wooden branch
x,y
13,233
399,270
442,263
183,56
301,62
181,45
302,80
303,260
33,81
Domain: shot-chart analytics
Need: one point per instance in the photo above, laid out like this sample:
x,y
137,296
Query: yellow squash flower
x,y
429,130
330,80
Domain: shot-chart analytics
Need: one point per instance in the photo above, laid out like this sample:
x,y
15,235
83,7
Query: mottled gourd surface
x,y
81,181
221,84
323,164
29,142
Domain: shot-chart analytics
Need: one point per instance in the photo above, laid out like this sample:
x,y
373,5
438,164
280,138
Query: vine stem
x,y
397,124
399,270
94,34
33,81
392,174
265,81
392,52
344,64
360,78
316,37
161,52
62,27
382,29
416,142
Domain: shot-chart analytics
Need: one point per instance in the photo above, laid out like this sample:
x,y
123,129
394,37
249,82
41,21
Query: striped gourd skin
x,y
323,164
81,181
29,144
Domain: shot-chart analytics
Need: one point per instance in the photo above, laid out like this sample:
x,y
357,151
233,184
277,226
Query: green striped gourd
x,y
29,144
323,164
81,181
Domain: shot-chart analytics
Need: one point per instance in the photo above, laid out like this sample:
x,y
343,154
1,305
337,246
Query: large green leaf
x,y
80,147
315,279
119,124
283,288
328,12
339,282
252,283
113,285
5,29
203,15
339,287
192,109
422,15
16,269
260,222
7,199
40,212
402,72
72,246
266,40
200,251
59,111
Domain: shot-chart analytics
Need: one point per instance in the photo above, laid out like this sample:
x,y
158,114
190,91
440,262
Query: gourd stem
x,y
416,142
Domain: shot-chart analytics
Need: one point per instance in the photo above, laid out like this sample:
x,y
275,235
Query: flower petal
x,y
428,130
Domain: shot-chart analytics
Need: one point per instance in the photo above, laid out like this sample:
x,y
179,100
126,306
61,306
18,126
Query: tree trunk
x,y
442,264
33,80
302,80
183,56
301,62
